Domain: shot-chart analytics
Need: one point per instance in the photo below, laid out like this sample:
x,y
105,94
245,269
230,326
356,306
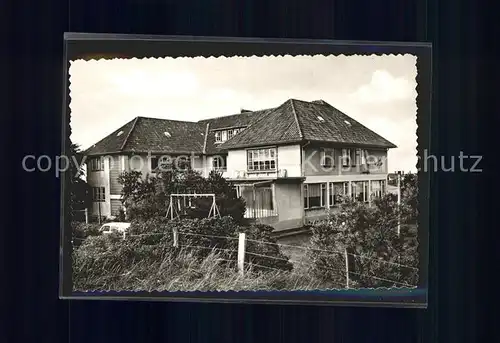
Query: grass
x,y
184,273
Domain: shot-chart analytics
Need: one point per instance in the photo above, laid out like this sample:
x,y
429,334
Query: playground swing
x,y
179,203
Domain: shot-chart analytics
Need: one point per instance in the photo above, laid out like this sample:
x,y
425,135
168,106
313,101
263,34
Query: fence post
x,y
176,237
241,252
346,267
86,216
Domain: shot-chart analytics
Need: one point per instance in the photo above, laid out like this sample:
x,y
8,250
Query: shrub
x,y
369,234
80,232
106,262
147,197
203,236
262,249
409,197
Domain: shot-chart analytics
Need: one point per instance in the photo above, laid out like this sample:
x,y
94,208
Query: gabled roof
x,y
297,121
153,135
293,121
243,120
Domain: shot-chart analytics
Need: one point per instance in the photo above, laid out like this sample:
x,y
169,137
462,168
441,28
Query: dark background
x,y
32,112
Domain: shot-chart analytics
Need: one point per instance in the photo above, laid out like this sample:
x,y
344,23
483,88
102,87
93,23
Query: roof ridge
x,y
205,140
301,135
167,119
234,115
128,134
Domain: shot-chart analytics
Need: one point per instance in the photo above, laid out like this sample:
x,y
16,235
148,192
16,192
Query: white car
x,y
115,227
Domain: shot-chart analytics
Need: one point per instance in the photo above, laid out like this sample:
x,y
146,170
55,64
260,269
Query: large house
x,y
290,163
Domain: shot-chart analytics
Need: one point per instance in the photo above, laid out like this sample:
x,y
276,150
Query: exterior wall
x,y
200,164
289,203
288,158
100,179
138,163
206,166
115,169
108,178
312,162
116,204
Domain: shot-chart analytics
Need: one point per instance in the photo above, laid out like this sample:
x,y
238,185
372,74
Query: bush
x,y
375,251
263,251
148,197
203,236
207,249
80,232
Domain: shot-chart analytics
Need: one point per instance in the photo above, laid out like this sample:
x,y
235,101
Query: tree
x,y
150,196
409,197
142,197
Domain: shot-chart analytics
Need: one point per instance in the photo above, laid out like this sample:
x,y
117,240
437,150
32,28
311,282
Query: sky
x,y
377,91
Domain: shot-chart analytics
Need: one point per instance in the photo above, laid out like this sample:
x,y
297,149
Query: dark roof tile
x,y
291,122
154,135
297,120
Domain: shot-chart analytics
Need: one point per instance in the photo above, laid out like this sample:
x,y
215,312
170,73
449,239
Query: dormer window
x,y
224,135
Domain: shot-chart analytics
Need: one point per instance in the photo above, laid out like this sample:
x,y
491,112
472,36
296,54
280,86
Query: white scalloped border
x,y
223,57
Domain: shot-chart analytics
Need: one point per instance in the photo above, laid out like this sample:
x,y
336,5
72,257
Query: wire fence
x,y
244,256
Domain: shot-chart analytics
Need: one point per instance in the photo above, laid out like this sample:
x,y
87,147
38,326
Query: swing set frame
x,y
173,211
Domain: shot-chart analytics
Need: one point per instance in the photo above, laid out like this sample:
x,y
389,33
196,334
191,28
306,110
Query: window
x,y
98,194
314,195
153,162
377,189
181,163
360,157
359,190
364,155
337,190
328,157
353,157
346,157
219,163
224,135
261,159
97,164
357,159
162,162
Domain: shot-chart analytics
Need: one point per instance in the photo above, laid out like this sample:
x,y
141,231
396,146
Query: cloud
x,y
150,85
378,91
384,88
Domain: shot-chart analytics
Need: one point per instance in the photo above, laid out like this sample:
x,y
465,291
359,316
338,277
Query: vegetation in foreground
x,y
205,258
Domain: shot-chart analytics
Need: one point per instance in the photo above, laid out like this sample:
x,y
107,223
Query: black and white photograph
x,y
261,173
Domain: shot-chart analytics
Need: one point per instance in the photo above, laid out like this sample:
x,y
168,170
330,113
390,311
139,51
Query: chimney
x,y
319,102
